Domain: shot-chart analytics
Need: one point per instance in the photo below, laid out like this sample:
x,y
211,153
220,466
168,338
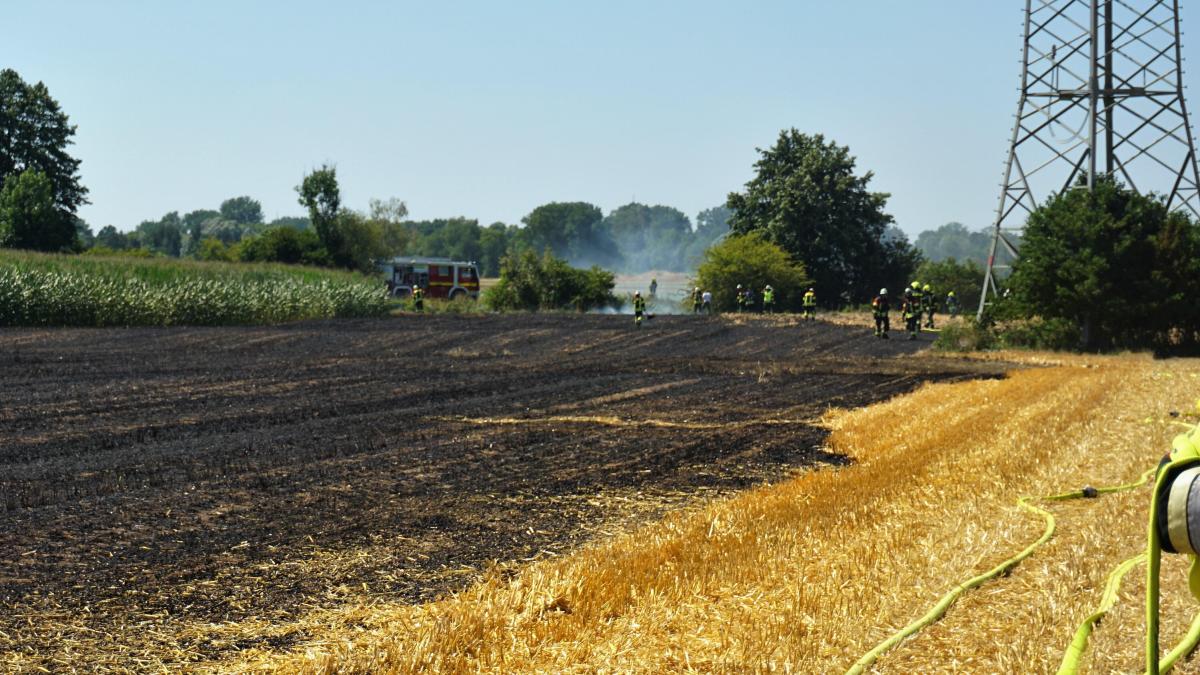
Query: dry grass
x,y
611,421
806,575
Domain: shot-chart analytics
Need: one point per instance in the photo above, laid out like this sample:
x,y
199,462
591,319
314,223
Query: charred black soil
x,y
157,478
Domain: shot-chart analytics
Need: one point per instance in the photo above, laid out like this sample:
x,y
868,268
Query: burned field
x,y
156,481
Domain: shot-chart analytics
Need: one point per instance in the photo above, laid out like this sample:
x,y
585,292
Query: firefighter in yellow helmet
x,y
910,309
928,305
418,299
810,305
952,305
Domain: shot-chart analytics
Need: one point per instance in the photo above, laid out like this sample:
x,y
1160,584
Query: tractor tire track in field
x,y
150,477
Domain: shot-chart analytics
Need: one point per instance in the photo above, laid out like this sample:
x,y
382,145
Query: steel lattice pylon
x,y
1101,92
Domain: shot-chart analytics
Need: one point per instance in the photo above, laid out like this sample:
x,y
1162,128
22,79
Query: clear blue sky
x,y
487,109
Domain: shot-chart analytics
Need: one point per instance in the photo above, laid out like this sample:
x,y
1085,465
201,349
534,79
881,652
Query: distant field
x,y
67,290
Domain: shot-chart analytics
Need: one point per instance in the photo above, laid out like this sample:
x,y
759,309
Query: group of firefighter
x,y
918,301
917,306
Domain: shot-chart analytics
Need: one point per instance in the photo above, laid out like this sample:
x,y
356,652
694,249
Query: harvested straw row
x,y
807,575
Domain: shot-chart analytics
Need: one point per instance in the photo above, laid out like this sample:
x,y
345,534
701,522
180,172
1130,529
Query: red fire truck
x,y
439,277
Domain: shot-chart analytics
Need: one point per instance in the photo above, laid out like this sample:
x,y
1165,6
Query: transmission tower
x,y
1101,92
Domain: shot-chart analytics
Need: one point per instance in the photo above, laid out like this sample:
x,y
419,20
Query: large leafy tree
x,y
320,194
30,216
571,230
34,136
163,236
650,237
242,210
1118,264
807,198
954,240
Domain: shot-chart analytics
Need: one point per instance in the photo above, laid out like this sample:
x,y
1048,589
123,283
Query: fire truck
x,y
438,277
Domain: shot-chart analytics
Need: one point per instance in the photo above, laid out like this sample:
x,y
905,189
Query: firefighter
x,y
810,305
639,308
952,305
706,302
769,299
910,309
928,304
653,288
881,306
918,299
418,299
697,299
741,299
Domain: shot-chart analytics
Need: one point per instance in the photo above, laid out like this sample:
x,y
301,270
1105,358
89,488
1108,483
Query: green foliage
x,y
572,231
1039,333
29,217
953,240
806,198
281,245
494,243
965,336
529,282
58,290
964,278
1036,333
360,242
320,194
212,249
106,252
753,261
649,237
242,210
1114,263
163,236
84,237
35,134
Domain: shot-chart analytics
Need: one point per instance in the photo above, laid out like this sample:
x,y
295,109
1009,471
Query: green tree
x,y
806,197
320,194
34,135
30,217
283,244
360,242
494,241
456,238
109,237
294,222
388,216
752,261
84,237
242,210
163,236
954,240
649,237
964,278
213,249
571,230
391,210
1117,264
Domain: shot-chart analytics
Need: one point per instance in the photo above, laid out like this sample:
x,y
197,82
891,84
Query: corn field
x,y
55,290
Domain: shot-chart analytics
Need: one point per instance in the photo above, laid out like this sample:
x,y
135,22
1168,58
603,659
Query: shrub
x,y
965,336
751,260
529,282
1039,333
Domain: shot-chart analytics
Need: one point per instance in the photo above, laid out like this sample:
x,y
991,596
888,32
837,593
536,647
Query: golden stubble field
x,y
806,575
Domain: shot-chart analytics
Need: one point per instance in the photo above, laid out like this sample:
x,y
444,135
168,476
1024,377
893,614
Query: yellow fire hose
x,y
1074,652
